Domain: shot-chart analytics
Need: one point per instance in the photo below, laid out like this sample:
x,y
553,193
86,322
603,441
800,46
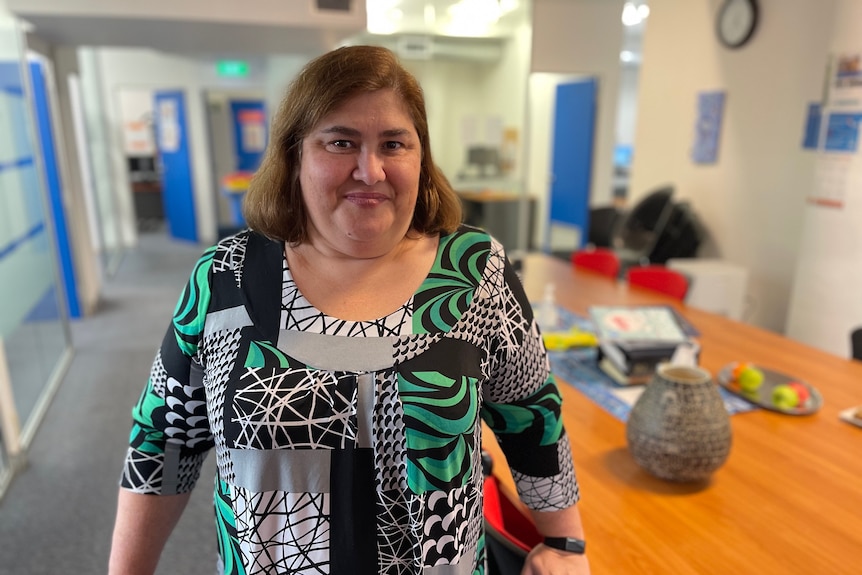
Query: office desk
x,y
789,498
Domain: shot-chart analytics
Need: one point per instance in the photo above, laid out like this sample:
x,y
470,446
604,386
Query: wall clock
x,y
737,21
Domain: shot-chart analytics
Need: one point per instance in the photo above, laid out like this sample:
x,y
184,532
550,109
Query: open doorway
x,y
237,129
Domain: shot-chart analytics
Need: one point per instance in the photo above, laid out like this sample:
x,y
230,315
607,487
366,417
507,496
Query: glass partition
x,y
34,330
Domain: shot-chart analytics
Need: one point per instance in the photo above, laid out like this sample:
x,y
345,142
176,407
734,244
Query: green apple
x,y
750,379
784,397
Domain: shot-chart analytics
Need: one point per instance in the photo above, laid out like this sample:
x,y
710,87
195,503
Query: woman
x,y
338,357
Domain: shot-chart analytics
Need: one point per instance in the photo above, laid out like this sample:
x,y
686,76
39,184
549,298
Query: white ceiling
x,y
183,36
427,17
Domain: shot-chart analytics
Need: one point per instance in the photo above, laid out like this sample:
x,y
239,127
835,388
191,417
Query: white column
x,y
10,426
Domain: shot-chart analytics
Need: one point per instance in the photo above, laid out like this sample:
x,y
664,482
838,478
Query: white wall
x,y
582,37
825,304
459,89
752,200
627,104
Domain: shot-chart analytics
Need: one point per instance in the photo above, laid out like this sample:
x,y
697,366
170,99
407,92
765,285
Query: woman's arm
x,y
142,527
544,560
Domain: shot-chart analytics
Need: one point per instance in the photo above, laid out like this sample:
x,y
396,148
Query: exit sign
x,y
232,68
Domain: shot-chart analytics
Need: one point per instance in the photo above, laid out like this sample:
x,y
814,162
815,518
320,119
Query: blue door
x,y
172,143
574,127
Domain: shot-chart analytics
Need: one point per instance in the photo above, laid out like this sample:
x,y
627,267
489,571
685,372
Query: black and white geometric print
x,y
297,313
399,526
230,255
282,532
143,472
187,415
218,367
189,471
449,519
390,450
158,375
519,369
408,347
550,493
277,408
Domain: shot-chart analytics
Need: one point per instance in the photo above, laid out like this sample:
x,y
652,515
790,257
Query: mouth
x,y
366,198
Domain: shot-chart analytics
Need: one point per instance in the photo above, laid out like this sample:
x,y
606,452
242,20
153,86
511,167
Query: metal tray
x,y
763,396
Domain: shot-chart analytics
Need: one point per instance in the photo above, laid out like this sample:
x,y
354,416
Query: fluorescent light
x,y
472,17
634,14
383,16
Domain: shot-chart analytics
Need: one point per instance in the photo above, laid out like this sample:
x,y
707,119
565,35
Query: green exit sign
x,y
232,68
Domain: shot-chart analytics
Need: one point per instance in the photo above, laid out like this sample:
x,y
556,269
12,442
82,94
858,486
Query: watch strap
x,y
569,544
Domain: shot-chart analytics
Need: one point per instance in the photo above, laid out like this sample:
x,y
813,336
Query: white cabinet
x,y
716,285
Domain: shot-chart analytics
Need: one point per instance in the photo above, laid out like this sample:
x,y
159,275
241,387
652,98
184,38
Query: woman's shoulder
x,y
478,238
232,252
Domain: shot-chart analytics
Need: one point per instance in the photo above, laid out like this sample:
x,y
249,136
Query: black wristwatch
x,y
569,544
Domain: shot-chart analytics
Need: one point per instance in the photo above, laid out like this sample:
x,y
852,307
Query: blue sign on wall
x,y
842,132
710,111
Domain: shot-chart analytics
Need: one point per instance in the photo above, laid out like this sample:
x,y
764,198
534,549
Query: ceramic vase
x,y
679,429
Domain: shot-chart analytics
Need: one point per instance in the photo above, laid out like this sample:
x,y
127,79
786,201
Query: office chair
x,y
603,222
856,343
601,260
659,278
640,228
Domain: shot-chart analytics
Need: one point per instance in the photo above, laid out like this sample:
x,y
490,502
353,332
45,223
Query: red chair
x,y
510,533
601,260
659,278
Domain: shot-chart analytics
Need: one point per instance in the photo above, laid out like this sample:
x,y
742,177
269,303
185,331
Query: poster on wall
x,y
832,130
844,80
710,110
169,130
252,124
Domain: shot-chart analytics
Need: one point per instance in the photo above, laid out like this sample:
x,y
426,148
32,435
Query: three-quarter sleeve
x,y
170,434
523,406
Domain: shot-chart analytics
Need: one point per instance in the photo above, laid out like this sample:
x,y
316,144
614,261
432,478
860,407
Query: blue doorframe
x,y
54,186
572,157
172,143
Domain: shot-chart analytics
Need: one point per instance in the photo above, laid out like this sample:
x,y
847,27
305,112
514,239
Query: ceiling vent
x,y
334,5
415,47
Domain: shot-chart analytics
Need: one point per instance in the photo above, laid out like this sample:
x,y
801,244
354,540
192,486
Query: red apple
x,y
801,392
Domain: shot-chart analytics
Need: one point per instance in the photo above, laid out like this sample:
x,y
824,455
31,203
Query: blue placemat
x,y
579,368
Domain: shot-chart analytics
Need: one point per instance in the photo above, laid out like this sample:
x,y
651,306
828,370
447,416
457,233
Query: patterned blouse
x,y
350,447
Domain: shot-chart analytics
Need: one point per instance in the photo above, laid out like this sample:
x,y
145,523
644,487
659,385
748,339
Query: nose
x,y
369,167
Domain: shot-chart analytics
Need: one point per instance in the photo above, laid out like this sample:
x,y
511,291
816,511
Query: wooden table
x,y
787,501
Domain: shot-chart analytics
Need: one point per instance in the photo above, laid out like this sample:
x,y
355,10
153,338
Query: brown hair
x,y
273,204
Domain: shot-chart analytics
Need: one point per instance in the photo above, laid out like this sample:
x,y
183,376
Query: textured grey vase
x,y
679,429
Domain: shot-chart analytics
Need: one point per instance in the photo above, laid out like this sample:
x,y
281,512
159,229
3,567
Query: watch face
x,y
736,22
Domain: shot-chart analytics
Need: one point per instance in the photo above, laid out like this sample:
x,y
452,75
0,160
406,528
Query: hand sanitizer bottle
x,y
548,318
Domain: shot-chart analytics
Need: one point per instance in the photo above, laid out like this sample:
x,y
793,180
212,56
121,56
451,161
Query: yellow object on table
x,y
563,340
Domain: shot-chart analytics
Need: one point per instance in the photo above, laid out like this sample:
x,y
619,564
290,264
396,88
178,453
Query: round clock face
x,y
737,20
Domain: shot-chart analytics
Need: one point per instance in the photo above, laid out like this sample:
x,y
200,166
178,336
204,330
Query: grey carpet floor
x,y
58,513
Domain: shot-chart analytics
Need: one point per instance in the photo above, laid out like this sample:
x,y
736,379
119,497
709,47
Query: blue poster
x,y
811,139
710,109
842,132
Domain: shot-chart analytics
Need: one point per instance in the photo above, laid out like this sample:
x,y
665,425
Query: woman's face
x,y
359,174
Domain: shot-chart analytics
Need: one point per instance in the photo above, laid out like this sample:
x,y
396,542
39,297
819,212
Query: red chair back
x,y
601,260
659,278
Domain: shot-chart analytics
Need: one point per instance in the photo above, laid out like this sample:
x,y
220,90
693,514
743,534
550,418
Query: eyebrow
x,y
354,132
